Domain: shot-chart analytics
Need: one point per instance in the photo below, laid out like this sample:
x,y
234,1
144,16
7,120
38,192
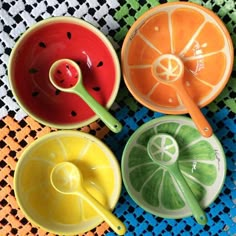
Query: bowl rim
x,y
167,118
145,16
55,134
94,30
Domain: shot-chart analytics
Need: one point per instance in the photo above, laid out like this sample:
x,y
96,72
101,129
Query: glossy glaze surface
x,y
65,75
192,33
201,161
51,40
54,211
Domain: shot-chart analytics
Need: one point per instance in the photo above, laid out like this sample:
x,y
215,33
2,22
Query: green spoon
x,y
164,150
67,179
66,76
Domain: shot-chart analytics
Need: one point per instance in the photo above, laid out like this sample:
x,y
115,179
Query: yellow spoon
x,y
169,69
67,179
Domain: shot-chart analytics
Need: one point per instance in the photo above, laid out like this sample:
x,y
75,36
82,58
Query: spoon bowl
x,y
164,150
66,178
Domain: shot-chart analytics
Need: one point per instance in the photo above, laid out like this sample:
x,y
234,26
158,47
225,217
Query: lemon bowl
x,y
201,161
51,210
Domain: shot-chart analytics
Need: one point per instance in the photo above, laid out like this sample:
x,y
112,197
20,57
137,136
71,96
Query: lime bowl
x,y
201,162
51,210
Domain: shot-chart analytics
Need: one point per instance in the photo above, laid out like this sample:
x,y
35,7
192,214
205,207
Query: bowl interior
x,y
192,33
51,40
201,161
52,210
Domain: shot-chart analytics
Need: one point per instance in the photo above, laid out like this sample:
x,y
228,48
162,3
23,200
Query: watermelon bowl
x,y
53,39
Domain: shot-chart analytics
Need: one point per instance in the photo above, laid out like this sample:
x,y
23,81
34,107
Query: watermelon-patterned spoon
x,y
164,150
66,76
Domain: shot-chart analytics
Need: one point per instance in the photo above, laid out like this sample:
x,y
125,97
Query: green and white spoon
x,y
66,76
164,150
66,178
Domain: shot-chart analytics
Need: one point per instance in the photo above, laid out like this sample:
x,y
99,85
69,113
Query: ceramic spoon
x,y
169,69
66,76
67,179
164,150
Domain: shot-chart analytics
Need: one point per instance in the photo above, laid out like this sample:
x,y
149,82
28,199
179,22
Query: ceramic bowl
x,y
193,34
48,41
201,161
51,210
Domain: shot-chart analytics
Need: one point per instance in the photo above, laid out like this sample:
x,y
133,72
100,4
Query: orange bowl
x,y
196,36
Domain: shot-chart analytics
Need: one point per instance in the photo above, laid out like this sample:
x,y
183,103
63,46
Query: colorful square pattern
x,y
17,130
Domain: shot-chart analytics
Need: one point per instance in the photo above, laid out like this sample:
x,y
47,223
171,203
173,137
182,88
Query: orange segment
x,y
184,23
204,44
209,69
156,31
165,96
196,89
141,55
143,79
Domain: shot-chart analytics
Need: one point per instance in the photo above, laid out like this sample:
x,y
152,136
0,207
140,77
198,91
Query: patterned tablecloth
x,y
17,130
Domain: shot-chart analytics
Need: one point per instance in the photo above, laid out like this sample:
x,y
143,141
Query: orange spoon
x,y
169,69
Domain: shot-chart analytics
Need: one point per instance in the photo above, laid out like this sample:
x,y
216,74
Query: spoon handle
x,y
107,215
199,119
193,204
112,123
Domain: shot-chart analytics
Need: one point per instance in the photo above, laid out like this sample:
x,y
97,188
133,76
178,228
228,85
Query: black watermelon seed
x,y
61,81
69,35
42,45
33,70
34,94
73,113
57,92
96,88
100,64
58,72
